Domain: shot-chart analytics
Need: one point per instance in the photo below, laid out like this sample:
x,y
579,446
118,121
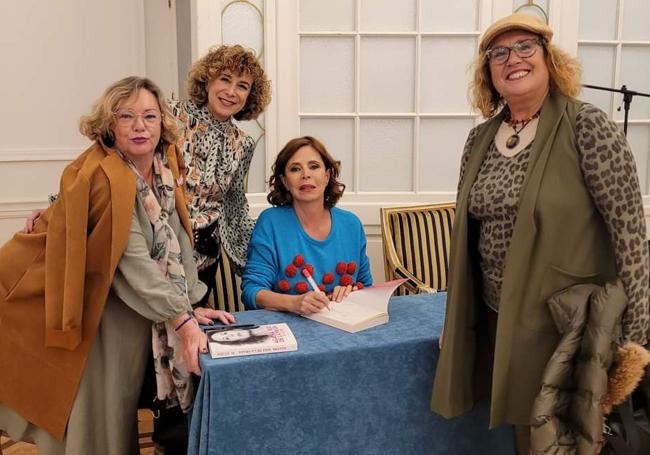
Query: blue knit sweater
x,y
278,238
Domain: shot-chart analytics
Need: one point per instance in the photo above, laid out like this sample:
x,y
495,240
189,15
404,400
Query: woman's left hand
x,y
194,341
207,316
340,292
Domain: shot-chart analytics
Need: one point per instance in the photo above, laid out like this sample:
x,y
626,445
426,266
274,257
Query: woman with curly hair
x,y
548,197
304,235
225,84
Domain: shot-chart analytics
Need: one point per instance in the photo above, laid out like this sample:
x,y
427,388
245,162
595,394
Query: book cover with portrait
x,y
263,339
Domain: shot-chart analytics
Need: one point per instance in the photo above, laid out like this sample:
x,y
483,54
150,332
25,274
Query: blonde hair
x,y
96,126
241,62
565,74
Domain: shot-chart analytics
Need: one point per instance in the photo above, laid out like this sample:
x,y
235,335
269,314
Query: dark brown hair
x,y
279,195
240,62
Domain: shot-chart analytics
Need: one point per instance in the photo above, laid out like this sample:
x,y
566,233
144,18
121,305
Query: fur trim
x,y
626,373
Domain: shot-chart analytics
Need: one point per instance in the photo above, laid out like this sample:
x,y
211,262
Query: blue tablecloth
x,y
340,393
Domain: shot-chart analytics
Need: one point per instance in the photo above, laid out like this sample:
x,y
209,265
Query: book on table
x,y
263,339
360,310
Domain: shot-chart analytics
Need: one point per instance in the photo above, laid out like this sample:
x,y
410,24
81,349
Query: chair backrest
x,y
228,290
416,244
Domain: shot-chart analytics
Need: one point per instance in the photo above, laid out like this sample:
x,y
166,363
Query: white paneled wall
x,y
614,48
57,59
385,88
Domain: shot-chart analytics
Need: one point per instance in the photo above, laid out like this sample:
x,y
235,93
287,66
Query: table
x,y
340,393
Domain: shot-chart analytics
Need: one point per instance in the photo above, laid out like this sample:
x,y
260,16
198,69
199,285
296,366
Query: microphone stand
x,y
627,99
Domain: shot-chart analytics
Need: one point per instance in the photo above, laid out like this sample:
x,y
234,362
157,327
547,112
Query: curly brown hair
x,y
565,74
96,126
241,62
280,195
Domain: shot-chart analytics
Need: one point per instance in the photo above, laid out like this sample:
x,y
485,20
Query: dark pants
x,y
170,431
487,336
170,426
209,276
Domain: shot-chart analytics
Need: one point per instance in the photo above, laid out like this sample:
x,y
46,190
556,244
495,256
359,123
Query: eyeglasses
x,y
127,118
524,49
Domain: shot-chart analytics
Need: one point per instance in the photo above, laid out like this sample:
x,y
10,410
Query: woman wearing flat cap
x,y
548,197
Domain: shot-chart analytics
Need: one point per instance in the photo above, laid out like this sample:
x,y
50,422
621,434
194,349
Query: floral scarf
x,y
173,381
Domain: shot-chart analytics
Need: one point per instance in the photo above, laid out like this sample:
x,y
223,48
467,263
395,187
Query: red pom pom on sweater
x,y
284,285
309,268
299,260
301,287
291,271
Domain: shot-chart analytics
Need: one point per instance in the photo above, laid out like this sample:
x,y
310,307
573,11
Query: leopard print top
x,y
606,162
217,156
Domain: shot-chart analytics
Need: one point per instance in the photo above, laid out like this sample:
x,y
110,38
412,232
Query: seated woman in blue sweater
x,y
302,233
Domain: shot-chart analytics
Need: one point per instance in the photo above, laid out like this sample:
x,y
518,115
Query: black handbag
x,y
206,240
629,423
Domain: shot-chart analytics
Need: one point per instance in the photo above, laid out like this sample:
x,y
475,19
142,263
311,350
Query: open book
x,y
263,339
360,310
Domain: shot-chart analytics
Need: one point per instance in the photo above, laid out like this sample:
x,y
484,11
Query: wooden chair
x,y
228,286
416,245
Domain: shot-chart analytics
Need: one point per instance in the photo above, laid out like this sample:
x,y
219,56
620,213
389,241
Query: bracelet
x,y
188,319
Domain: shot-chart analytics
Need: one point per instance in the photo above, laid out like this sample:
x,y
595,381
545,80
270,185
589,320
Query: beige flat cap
x,y
516,21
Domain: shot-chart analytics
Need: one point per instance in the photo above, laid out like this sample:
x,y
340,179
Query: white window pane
x,y
598,69
635,20
445,90
456,16
330,15
441,146
256,181
327,74
243,24
338,137
522,6
635,74
387,16
386,150
639,138
387,68
597,19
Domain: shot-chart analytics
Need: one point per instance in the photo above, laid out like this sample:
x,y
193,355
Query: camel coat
x,y
559,239
54,284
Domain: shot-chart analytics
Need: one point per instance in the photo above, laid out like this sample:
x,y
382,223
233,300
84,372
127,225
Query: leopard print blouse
x,y
606,162
217,157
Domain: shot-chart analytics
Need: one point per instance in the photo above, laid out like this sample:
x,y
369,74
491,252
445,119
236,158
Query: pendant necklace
x,y
513,140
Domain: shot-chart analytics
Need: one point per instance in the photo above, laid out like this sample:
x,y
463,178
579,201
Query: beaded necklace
x,y
513,140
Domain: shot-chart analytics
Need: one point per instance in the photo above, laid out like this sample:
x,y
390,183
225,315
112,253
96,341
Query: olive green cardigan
x,y
559,239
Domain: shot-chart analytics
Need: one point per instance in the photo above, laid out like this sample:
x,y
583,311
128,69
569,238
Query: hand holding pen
x,y
315,288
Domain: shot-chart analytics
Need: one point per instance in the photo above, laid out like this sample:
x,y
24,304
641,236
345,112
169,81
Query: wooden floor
x,y
145,425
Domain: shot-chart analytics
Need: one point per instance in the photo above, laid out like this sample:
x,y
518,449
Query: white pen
x,y
312,283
